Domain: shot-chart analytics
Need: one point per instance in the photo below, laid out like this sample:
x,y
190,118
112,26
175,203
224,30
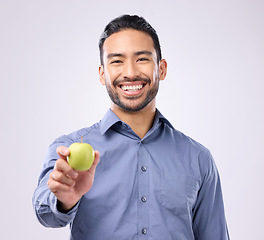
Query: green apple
x,y
81,156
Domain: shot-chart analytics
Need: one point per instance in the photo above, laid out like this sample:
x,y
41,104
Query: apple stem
x,y
81,139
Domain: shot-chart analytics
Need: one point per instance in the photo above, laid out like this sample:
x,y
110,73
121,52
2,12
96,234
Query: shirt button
x,y
143,168
143,199
144,231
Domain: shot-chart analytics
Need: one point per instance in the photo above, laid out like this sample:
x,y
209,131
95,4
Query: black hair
x,y
129,22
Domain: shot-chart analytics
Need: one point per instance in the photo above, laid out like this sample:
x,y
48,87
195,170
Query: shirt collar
x,y
108,121
111,119
160,118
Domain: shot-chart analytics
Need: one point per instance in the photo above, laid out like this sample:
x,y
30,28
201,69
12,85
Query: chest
x,y
161,173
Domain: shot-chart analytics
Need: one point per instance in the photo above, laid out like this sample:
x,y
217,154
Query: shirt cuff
x,y
64,217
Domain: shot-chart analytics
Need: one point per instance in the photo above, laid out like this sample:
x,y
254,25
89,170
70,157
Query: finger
x,y
96,158
63,152
62,178
56,186
63,166
95,163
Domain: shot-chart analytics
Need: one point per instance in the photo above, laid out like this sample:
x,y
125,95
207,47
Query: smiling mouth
x,y
132,88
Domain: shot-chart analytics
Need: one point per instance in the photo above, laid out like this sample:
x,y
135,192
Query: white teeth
x,y
132,88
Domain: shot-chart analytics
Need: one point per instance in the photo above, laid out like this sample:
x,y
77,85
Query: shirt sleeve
x,y
209,220
44,201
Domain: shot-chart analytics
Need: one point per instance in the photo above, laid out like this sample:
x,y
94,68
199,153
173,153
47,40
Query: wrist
x,y
65,208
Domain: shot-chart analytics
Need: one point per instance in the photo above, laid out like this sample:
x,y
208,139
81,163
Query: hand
x,y
67,184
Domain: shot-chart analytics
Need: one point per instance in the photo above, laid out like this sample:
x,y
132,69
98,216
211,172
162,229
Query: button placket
x,y
143,186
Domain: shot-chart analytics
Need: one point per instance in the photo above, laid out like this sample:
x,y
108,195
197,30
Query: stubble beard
x,y
130,106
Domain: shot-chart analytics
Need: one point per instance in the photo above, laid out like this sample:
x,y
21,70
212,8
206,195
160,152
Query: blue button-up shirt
x,y
165,186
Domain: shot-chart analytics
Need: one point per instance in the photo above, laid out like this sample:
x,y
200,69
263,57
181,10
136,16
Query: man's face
x,y
130,71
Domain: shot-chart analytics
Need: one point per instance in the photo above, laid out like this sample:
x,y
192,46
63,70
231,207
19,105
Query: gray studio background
x,y
213,93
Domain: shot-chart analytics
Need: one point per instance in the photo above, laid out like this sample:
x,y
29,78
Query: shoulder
x,y
185,141
193,150
180,140
86,132
184,144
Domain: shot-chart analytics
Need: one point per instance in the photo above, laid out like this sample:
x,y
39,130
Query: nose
x,y
130,70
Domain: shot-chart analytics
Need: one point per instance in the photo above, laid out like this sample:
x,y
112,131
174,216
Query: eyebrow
x,y
143,52
111,55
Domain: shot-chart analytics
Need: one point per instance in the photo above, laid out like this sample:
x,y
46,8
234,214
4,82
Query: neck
x,y
140,121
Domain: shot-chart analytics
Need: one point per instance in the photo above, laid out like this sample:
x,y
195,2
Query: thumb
x,y
63,152
95,163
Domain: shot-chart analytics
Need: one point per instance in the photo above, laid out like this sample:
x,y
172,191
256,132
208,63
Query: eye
x,y
142,60
115,62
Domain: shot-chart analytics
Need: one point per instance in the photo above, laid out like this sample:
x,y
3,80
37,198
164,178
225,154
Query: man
x,y
152,181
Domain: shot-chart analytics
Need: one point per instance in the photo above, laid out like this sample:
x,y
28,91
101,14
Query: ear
x,y
101,74
162,69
